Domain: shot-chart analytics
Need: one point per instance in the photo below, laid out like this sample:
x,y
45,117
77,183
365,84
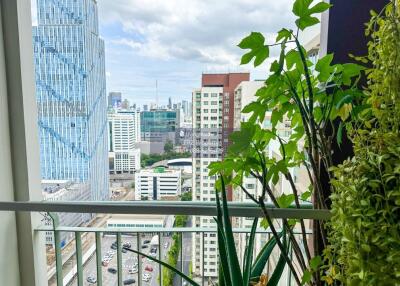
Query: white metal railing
x,y
142,207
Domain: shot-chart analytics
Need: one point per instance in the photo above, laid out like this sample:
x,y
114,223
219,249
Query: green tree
x,y
168,146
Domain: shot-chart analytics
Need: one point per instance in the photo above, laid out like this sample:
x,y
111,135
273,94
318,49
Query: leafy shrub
x,y
365,227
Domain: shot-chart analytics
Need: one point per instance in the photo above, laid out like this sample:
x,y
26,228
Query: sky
x,y
174,41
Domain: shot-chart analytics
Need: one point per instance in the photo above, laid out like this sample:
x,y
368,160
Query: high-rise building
x,y
123,135
71,94
145,107
158,125
114,99
213,113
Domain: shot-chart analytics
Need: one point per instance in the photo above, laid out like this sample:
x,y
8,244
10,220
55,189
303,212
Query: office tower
x,y
158,125
213,112
114,99
157,184
71,94
123,135
145,107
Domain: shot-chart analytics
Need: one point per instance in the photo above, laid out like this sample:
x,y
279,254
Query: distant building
x,y
145,107
71,94
114,99
64,190
213,122
158,125
123,135
157,184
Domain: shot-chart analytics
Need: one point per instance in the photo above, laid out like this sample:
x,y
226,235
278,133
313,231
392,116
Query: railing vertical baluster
x,y
119,259
159,257
79,266
57,248
181,256
99,271
139,261
202,255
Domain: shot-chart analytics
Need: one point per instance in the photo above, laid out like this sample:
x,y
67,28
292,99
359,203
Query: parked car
x,y
153,250
113,246
146,277
127,245
91,279
124,250
133,270
129,281
148,268
147,241
166,245
112,270
145,246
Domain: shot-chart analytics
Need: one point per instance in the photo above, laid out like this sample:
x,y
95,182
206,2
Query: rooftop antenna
x,y
156,94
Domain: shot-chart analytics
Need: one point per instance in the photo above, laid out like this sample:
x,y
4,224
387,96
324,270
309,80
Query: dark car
x,y
129,281
153,250
124,250
145,246
112,270
146,241
113,246
127,245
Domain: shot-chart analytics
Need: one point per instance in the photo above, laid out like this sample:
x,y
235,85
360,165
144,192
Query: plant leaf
x,y
263,255
234,268
249,254
280,266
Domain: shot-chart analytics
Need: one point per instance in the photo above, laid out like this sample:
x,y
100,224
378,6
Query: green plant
x,y
312,97
230,272
365,231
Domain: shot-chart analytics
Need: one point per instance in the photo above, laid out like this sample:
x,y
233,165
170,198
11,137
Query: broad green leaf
x,y
315,262
306,21
300,7
319,7
284,34
284,201
324,67
306,195
306,277
253,41
259,51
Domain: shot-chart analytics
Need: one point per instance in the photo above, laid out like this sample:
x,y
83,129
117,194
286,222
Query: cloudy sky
x,y
174,41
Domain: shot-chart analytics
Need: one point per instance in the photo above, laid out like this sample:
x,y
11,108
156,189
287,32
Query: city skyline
x,y
167,42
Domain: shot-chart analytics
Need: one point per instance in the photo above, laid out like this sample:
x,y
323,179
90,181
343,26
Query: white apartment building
x,y
124,134
157,184
207,148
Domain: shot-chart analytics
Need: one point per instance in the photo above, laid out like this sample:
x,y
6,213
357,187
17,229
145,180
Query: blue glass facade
x,y
71,94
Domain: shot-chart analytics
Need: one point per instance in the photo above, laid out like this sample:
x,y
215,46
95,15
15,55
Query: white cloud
x,y
205,31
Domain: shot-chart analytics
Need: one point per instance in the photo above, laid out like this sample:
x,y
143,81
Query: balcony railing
x,y
78,274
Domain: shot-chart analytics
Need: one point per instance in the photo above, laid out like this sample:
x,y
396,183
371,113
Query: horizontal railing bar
x,y
135,230
164,208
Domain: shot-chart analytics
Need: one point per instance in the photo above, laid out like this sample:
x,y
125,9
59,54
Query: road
x,y
128,259
186,254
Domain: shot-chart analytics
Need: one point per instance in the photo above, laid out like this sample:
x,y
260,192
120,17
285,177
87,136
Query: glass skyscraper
x,y
71,94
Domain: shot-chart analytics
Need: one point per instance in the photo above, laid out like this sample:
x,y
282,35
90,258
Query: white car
x,y
133,270
91,279
166,245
